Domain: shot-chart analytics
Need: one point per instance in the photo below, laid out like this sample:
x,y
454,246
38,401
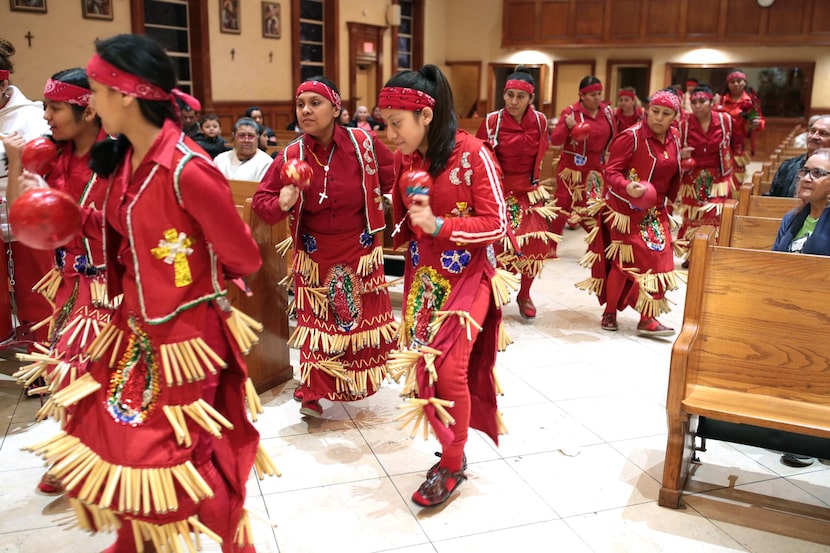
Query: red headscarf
x,y
59,91
394,97
322,89
665,98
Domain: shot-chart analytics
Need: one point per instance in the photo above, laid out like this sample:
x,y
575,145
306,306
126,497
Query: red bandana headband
x,y
628,93
666,99
590,88
691,83
701,94
322,89
518,84
736,75
59,91
394,97
107,74
4,74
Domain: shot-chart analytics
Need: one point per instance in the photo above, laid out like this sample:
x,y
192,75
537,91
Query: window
x,y
166,22
405,32
312,38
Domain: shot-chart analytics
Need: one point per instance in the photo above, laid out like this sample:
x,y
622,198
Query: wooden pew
x,y
751,351
744,231
268,361
763,206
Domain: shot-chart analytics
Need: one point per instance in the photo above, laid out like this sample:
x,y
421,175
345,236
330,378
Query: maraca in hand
x,y
416,181
39,155
297,172
649,197
580,131
688,164
45,218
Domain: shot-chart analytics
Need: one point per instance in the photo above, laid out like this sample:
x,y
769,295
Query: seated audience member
x,y
345,118
786,179
377,121
210,139
266,135
807,229
294,126
800,141
361,118
245,161
190,121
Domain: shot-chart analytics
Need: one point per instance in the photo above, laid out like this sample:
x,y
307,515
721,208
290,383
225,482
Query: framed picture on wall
x,y
28,6
229,16
271,20
97,9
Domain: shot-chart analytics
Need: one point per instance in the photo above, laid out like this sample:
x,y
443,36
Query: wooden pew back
x,y
268,362
751,351
745,231
763,206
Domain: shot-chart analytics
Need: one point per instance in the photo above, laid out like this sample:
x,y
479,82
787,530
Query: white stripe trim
x,y
496,189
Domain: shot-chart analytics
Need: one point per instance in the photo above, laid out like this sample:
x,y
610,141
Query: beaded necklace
x,y
326,168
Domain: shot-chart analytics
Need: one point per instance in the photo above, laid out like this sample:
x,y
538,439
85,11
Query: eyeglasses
x,y
815,173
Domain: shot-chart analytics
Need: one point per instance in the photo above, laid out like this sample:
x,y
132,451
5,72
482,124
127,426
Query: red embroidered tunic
x,y
637,241
710,183
337,228
443,274
81,305
172,232
581,163
519,148
743,111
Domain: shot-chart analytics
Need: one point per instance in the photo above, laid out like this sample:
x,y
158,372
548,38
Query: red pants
x,y
452,381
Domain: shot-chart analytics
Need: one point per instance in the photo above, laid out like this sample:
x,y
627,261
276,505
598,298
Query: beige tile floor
x,y
579,471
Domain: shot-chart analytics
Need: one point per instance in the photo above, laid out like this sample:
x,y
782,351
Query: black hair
x,y
252,109
522,73
144,58
6,52
703,88
444,125
75,76
588,81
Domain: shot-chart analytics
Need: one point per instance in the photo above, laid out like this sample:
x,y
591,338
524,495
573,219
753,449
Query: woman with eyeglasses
x,y
709,146
807,229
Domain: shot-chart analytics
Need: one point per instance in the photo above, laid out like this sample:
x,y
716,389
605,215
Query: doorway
x,y
465,80
636,73
498,77
365,64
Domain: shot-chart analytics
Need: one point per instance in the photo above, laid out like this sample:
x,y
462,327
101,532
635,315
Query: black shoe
x,y
797,461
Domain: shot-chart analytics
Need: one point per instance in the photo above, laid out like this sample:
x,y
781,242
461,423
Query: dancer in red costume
x,y
630,255
346,332
141,453
581,165
451,322
518,134
628,110
707,140
741,103
75,285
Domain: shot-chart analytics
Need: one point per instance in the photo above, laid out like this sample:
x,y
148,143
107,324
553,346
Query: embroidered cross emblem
x,y
174,249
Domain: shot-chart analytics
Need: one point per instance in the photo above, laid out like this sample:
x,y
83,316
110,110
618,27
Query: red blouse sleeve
x,y
207,198
386,166
560,133
266,200
489,223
